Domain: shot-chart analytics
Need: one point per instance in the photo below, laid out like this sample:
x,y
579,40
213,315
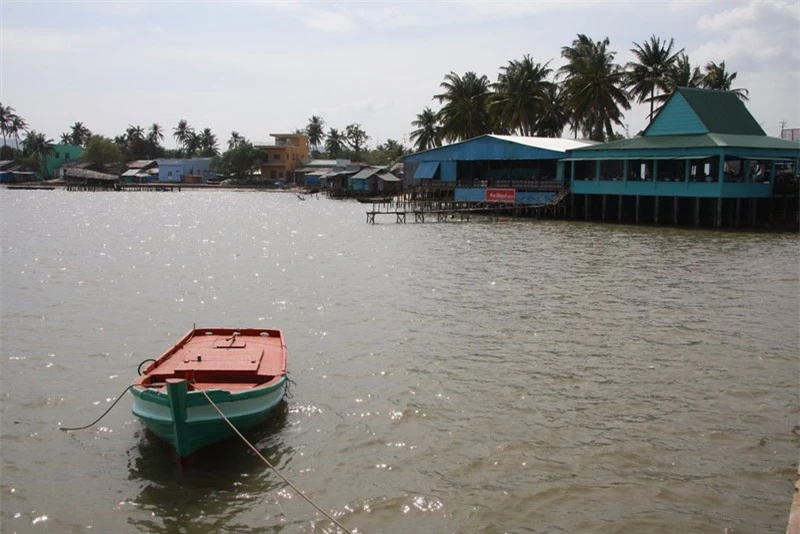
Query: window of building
x,y
169,174
276,156
272,175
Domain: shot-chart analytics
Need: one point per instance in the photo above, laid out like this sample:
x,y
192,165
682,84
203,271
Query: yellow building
x,y
284,157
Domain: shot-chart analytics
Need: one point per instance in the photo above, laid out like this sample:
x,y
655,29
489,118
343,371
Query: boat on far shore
x,y
241,372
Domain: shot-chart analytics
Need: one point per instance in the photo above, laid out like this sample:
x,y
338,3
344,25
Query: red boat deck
x,y
221,358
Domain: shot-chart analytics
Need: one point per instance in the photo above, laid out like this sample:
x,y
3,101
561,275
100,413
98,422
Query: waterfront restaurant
x,y
703,160
494,168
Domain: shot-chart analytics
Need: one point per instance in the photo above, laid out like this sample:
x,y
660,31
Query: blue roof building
x,y
501,168
178,170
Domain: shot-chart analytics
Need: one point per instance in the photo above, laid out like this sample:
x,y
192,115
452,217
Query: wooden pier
x,y
457,211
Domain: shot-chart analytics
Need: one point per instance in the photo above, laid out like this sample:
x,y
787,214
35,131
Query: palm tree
x,y
6,118
208,143
680,74
182,133
518,95
553,112
426,135
718,79
80,134
18,124
593,86
315,131
193,144
38,147
235,140
393,149
650,72
334,143
465,113
155,134
66,139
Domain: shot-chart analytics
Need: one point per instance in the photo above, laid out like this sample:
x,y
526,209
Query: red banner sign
x,y
501,195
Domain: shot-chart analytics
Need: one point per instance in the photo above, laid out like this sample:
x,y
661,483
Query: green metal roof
x,y
690,111
709,140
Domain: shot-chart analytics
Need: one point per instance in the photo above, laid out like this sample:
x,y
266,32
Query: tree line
x,y
587,96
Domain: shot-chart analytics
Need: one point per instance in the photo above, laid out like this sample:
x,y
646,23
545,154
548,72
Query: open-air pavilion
x,y
703,160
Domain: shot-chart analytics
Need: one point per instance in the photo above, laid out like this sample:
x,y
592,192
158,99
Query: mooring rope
x,y
274,469
66,428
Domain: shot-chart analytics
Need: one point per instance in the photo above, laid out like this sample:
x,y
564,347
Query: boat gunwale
x,y
217,394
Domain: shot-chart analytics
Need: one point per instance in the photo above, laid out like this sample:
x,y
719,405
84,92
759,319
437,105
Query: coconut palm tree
x,y
683,74
208,143
426,135
518,94
193,144
680,74
393,150
553,112
593,86
235,140
182,133
80,134
649,74
38,147
18,124
718,78
334,144
155,134
6,117
465,113
315,131
65,139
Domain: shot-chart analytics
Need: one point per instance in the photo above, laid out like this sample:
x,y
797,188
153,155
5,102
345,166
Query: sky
x,y
263,67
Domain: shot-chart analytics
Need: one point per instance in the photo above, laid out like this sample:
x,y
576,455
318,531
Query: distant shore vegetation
x,y
585,98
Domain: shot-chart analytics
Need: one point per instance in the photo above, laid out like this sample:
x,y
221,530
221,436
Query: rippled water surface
x,y
449,377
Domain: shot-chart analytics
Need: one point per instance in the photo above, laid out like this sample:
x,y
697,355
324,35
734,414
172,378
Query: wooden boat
x,y
242,371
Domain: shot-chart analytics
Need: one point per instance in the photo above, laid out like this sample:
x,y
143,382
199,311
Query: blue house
x,y
190,170
703,159
495,168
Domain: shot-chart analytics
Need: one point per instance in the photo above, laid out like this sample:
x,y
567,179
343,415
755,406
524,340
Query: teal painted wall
x,y
672,189
61,155
677,118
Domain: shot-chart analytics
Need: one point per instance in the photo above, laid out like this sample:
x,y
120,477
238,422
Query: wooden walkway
x,y
459,211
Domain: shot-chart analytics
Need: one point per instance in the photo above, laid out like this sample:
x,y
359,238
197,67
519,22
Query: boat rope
x,y
274,469
66,428
289,383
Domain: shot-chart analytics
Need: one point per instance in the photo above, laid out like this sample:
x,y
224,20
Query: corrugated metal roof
x,y
363,174
711,140
140,163
500,147
426,170
388,177
547,143
94,175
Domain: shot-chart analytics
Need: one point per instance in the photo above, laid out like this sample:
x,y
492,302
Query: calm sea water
x,y
449,377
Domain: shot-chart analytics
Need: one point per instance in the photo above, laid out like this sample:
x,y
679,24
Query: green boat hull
x,y
188,422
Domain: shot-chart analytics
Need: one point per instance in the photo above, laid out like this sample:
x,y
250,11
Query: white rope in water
x,y
274,469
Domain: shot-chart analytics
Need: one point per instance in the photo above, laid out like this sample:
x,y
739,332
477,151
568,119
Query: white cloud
x,y
261,67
